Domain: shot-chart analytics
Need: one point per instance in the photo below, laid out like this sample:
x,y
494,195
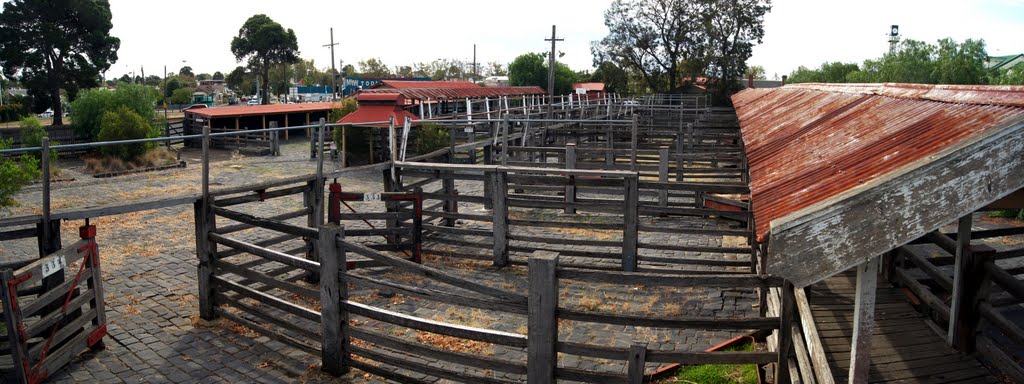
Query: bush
x,y
342,109
1008,214
124,124
181,96
88,110
15,174
32,134
429,138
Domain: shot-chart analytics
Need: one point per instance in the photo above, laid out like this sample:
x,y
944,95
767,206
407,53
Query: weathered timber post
x,y
49,230
637,360
785,341
205,249
332,314
633,144
570,189
609,154
275,148
975,290
962,260
451,205
313,220
631,218
863,320
542,323
663,175
499,202
488,187
391,185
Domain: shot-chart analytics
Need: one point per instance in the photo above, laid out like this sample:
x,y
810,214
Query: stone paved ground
x,y
149,274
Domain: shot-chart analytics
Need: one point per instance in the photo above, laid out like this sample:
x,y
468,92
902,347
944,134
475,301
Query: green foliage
x,y
15,174
181,96
124,123
531,69
1008,214
87,111
342,109
429,138
13,110
218,75
263,42
56,45
374,68
720,373
913,61
1012,76
615,79
664,41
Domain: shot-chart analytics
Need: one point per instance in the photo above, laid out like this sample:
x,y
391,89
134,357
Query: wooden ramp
x,y
903,349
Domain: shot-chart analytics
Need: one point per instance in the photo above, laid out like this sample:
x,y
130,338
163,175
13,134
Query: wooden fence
x,y
622,195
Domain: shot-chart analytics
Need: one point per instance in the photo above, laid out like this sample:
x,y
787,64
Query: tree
x,y
218,75
15,174
754,71
263,42
186,71
235,79
960,63
55,45
203,76
495,68
374,68
123,123
733,27
88,109
614,78
181,96
1012,76
531,69
665,40
528,69
911,63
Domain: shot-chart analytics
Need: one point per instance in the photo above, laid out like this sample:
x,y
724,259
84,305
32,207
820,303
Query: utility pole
x,y
165,98
551,72
474,63
334,70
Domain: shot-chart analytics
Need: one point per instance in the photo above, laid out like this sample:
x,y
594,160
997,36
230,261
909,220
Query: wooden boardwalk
x,y
903,347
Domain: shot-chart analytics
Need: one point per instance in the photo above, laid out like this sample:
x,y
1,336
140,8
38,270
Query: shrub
x,y
342,109
88,110
181,96
124,124
32,134
1008,214
429,138
15,174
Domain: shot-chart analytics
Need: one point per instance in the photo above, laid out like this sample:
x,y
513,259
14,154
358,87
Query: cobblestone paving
x,y
150,282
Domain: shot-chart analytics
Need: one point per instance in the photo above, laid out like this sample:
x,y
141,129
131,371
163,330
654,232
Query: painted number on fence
x,y
53,265
371,197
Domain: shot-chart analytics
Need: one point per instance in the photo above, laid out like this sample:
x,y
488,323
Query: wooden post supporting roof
x,y
863,320
838,233
963,244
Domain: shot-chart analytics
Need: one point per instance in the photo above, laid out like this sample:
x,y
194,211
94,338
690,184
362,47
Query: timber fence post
x,y
785,340
451,205
631,218
488,187
542,323
332,264
663,155
205,249
499,201
637,360
976,281
570,189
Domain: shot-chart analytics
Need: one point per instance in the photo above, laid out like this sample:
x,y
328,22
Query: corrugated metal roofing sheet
x,y
808,142
598,87
376,114
406,84
256,110
459,93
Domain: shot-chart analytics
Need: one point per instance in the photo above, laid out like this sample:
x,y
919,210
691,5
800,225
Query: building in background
x,y
350,85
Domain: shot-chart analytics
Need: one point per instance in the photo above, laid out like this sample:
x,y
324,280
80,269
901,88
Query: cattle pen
x,y
609,242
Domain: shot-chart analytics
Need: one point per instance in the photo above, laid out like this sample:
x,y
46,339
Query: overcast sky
x,y
400,32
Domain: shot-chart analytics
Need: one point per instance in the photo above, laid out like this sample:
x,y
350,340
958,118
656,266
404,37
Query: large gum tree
x,y
49,45
264,43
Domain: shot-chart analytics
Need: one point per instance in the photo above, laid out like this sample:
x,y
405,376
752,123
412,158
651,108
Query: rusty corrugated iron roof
x,y
407,84
256,110
458,93
810,142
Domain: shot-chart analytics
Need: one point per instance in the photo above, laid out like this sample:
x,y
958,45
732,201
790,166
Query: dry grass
x,y
152,158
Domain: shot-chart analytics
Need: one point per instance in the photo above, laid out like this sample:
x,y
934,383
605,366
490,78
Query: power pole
x,y
551,72
474,63
334,70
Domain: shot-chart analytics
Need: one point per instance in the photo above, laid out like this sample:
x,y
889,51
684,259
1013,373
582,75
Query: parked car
x,y
253,102
632,103
47,113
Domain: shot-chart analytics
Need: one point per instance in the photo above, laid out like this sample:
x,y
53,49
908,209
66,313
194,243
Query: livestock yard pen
x,y
590,240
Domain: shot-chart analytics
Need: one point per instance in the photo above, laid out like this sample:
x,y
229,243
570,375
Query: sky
x,y
399,32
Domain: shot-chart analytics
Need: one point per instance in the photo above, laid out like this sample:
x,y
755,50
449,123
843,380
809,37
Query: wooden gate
x,y
403,219
49,327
